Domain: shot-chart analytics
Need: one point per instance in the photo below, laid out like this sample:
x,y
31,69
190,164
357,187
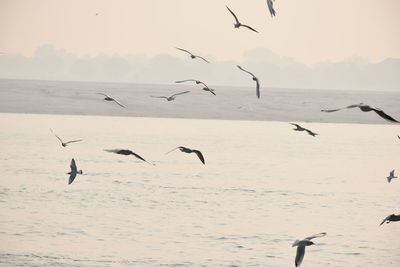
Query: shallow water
x,y
262,187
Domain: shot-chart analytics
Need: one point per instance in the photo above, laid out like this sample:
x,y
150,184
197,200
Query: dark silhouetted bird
x,y
237,22
188,150
74,171
193,56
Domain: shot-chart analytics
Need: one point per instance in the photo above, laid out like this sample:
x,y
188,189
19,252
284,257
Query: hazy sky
x,y
309,31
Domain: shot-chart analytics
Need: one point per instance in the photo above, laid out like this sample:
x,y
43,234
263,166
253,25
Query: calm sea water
x,y
262,187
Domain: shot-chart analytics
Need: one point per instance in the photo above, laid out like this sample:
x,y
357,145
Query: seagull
x,y
127,152
74,171
271,7
365,108
193,56
238,24
391,218
299,128
172,97
391,176
254,79
301,247
66,143
109,98
205,88
188,150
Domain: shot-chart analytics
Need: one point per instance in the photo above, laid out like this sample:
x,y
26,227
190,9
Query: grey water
x,y
262,187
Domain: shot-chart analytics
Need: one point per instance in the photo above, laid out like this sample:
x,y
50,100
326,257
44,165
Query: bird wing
x,y
183,50
392,173
298,126
398,136
198,153
172,150
112,150
159,97
103,94
337,109
211,91
116,101
139,157
271,7
73,166
384,220
384,115
258,88
245,71
71,178
233,14
181,93
73,141
250,28
301,250
188,80
311,132
315,236
56,136
203,59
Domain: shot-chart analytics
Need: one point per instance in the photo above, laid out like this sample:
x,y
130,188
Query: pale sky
x,y
310,31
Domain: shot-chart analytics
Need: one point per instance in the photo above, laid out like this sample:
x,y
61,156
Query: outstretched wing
x,y
56,136
384,115
172,150
198,153
116,101
257,88
233,14
250,28
271,7
301,250
139,157
298,126
203,59
103,95
245,71
159,96
337,109
181,93
71,178
188,80
183,50
73,166
315,236
311,133
385,220
74,141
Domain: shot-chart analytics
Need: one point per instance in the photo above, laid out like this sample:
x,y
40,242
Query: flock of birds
x,y
300,244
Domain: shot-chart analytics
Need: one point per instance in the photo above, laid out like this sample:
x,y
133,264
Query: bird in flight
x,y
205,88
127,152
74,171
301,247
64,144
237,23
188,150
193,56
254,79
365,108
271,7
172,97
391,218
391,176
109,98
299,128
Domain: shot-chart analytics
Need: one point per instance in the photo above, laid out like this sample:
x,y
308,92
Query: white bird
x,y
299,128
237,23
301,247
391,176
64,144
271,7
193,56
205,88
365,108
172,97
109,98
74,171
254,79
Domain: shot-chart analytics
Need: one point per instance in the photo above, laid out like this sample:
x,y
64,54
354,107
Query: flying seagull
x,y
172,97
254,79
391,176
205,88
66,143
193,56
127,152
74,171
237,23
299,128
188,150
365,108
109,98
391,218
271,7
301,247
